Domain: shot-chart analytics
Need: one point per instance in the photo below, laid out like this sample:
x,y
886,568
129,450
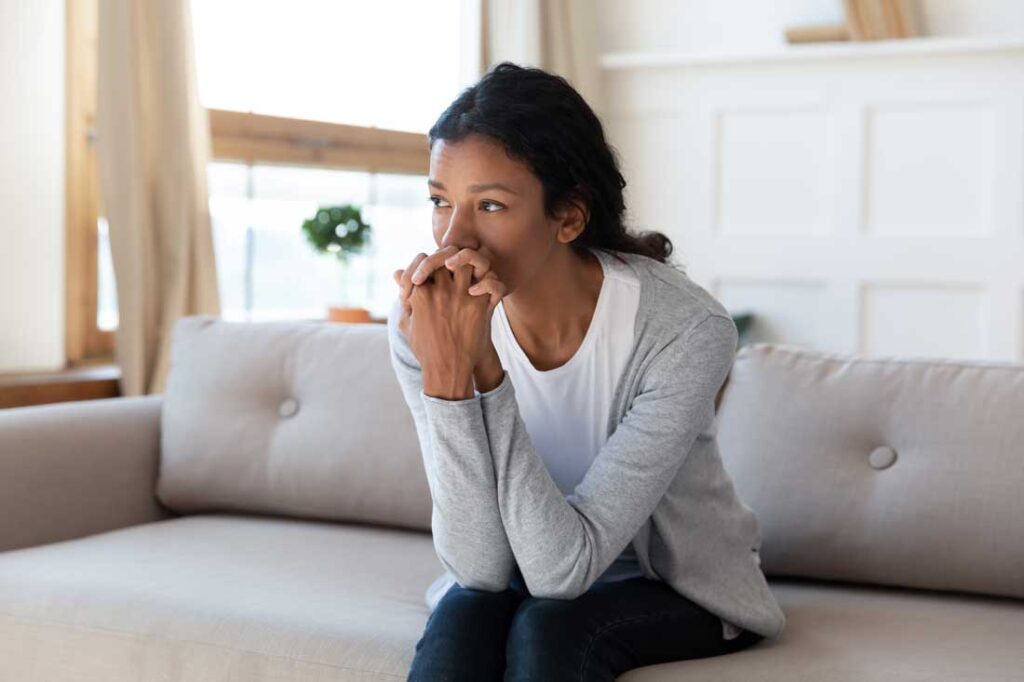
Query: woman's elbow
x,y
552,590
485,578
484,583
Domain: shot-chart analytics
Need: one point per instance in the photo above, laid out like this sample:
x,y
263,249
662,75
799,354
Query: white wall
x,y
31,184
755,25
861,198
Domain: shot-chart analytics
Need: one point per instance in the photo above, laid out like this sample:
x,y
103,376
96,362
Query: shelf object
x,y
921,46
819,33
881,19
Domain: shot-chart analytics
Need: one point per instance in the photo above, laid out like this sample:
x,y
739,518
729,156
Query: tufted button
x,y
882,457
288,407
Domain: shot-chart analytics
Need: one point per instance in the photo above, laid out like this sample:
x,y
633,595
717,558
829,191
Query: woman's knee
x,y
464,638
469,610
541,619
545,641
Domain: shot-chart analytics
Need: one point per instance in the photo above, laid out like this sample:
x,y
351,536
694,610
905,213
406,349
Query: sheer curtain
x,y
559,36
153,146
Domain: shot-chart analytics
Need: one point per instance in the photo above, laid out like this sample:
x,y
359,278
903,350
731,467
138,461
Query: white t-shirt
x,y
565,409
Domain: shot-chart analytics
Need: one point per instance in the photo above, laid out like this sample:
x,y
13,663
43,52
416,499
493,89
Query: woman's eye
x,y
497,206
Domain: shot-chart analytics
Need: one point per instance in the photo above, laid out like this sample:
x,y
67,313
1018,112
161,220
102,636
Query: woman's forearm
x,y
468,533
487,375
456,384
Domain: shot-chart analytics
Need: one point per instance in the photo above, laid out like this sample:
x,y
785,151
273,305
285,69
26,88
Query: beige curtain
x,y
153,146
559,36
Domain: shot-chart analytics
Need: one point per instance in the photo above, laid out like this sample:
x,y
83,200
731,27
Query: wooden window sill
x,y
85,382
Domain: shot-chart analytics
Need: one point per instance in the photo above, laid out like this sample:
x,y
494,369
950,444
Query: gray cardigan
x,y
658,481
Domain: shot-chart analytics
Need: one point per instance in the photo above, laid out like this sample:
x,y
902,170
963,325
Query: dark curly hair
x,y
542,120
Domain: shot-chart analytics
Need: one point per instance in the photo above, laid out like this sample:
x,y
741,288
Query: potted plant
x,y
340,231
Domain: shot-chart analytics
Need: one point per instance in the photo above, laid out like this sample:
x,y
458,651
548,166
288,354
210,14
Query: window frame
x,y
234,136
85,342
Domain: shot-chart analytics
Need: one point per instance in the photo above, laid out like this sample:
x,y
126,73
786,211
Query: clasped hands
x,y
448,298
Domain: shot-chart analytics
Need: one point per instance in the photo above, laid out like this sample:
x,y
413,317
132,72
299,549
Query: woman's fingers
x,y
462,274
465,265
406,284
491,286
426,266
483,285
480,262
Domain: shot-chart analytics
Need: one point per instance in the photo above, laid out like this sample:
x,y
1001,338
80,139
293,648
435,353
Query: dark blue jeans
x,y
510,636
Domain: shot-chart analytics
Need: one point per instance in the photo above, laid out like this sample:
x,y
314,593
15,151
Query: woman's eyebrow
x,y
478,188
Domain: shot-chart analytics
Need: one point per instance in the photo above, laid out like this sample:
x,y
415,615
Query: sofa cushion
x,y
221,597
888,471
850,633
296,418
217,597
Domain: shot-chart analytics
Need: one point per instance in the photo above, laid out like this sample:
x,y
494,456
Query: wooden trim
x,y
88,382
84,340
256,138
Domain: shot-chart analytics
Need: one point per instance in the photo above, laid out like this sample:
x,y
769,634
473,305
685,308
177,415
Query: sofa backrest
x,y
293,418
890,471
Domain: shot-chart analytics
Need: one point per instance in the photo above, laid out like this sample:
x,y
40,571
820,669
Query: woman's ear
x,y
574,215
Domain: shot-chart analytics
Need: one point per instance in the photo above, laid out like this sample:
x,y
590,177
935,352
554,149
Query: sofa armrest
x,y
76,468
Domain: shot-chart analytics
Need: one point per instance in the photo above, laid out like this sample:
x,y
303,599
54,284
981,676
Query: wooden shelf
x,y
903,47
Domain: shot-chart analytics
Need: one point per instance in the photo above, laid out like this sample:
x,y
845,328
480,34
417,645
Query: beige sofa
x,y
267,517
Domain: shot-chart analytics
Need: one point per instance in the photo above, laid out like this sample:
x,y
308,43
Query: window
x,y
316,102
392,64
265,268
106,294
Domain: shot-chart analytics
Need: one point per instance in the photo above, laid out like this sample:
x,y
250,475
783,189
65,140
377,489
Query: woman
x,y
563,379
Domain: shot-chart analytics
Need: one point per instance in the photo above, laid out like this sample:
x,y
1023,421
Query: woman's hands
x,y
448,299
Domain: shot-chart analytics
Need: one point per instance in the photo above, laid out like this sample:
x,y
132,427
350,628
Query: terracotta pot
x,y
347,314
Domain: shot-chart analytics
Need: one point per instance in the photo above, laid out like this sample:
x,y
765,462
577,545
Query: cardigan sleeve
x,y
563,543
469,537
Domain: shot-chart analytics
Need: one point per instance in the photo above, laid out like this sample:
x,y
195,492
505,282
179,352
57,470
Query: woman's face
x,y
485,200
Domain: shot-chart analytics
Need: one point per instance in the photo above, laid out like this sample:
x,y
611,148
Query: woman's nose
x,y
460,233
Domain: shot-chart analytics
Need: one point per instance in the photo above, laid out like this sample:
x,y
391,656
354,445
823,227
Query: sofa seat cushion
x,y
847,633
217,597
263,599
